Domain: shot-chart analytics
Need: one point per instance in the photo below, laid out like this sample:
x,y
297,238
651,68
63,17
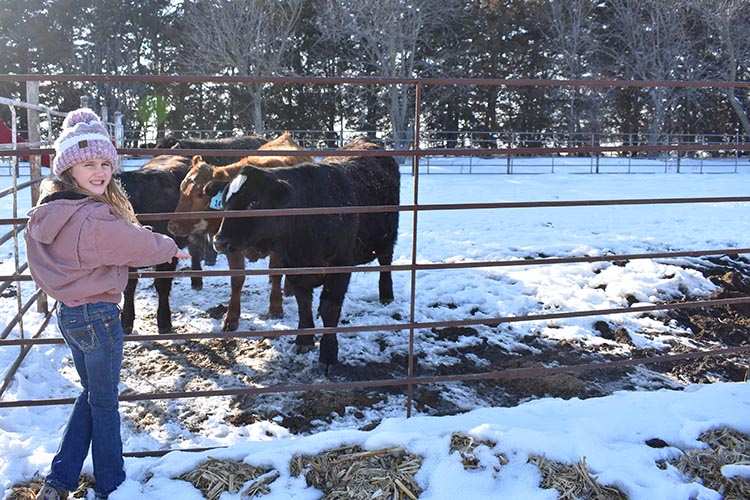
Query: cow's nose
x,y
174,228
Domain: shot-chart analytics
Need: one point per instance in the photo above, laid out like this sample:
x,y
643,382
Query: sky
x,y
608,432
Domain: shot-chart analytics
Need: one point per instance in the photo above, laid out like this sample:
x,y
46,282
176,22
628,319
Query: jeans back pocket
x,y
80,333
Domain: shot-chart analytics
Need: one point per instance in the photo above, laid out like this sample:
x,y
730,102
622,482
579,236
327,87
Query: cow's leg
x,y
209,252
303,294
385,283
275,306
196,244
331,300
163,288
127,317
232,318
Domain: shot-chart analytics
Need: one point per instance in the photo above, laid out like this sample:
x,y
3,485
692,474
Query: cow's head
x,y
252,189
193,198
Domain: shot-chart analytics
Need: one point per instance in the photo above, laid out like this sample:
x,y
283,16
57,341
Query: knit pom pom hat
x,y
83,137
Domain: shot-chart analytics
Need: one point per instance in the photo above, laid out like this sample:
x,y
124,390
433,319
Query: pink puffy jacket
x,y
79,251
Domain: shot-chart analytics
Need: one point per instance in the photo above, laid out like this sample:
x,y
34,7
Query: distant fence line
x,y
542,152
452,139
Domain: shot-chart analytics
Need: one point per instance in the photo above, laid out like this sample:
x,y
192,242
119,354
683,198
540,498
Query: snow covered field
x,y
610,432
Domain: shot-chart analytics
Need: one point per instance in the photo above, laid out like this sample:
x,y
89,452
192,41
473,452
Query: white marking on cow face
x,y
201,226
235,186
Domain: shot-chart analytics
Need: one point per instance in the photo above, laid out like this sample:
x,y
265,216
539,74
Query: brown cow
x,y
194,199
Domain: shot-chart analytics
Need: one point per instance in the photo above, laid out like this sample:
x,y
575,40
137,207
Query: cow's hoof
x,y
165,329
275,314
196,285
336,370
230,326
127,330
302,349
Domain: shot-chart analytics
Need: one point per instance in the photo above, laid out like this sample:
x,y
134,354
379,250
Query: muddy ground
x,y
211,364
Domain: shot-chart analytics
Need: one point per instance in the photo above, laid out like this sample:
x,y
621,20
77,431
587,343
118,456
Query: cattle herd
x,y
291,179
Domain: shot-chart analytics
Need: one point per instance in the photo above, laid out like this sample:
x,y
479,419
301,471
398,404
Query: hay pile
x,y
27,490
214,477
349,473
573,481
466,446
725,447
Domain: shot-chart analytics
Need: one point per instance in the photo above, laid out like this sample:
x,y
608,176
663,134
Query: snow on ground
x,y
609,432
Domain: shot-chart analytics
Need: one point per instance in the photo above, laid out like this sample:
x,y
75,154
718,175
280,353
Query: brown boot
x,y
49,493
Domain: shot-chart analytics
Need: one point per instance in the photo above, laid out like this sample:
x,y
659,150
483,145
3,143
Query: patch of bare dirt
x,y
710,328
232,363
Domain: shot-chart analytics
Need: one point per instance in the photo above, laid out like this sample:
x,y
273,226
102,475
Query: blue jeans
x,y
94,334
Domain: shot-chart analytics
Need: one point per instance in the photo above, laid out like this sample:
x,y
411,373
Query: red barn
x,y
6,137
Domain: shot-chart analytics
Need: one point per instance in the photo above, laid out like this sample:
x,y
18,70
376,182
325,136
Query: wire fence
x,y
519,152
420,160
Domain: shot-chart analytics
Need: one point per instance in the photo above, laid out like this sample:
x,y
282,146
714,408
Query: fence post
x,y
32,116
35,164
119,134
736,152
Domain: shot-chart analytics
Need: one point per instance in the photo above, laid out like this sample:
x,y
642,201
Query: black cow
x,y
155,188
239,142
317,240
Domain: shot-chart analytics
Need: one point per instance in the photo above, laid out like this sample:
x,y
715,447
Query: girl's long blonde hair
x,y
114,195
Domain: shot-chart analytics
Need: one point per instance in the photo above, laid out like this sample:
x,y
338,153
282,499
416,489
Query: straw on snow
x,y
725,447
353,474
214,477
349,473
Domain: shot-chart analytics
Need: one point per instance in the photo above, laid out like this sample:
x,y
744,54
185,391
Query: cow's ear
x,y
213,188
282,192
196,160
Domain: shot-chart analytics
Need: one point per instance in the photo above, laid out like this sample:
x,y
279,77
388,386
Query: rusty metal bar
x,y
415,233
487,321
10,190
22,355
231,214
19,315
509,374
6,283
415,266
10,234
502,152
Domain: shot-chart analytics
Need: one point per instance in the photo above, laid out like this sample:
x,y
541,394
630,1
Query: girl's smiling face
x,y
92,175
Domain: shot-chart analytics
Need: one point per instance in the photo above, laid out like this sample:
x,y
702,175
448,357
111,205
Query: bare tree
x,y
388,36
241,37
728,22
650,40
571,31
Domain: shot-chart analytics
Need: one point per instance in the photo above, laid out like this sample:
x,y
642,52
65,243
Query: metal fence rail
x,y
418,155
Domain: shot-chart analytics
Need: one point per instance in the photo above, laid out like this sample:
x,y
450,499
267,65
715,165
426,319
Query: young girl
x,y
80,240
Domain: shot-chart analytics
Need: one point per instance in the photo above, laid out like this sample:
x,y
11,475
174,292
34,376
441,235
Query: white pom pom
x,y
82,115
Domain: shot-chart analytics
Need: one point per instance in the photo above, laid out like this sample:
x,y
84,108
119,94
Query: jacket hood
x,y
52,214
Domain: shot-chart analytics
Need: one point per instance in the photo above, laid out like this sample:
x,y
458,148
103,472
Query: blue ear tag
x,y
216,202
